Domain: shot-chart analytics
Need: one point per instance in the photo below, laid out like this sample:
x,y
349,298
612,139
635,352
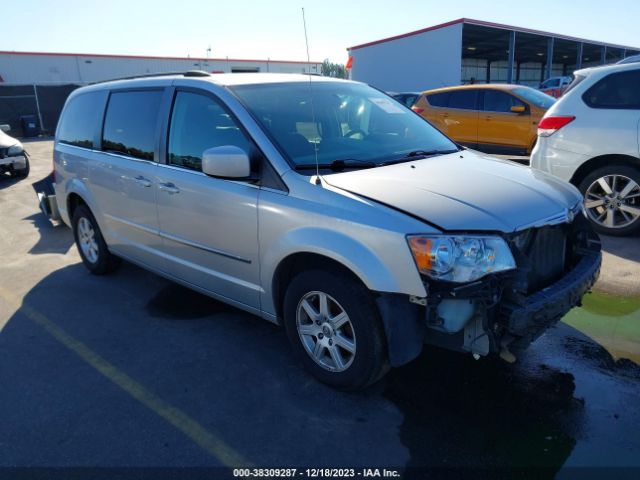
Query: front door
x,y
209,226
499,128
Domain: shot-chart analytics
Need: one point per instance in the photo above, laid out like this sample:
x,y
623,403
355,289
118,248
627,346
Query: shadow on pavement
x,y
623,247
53,239
235,375
6,180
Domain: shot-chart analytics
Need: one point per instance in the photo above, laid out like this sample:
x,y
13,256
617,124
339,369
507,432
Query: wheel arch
x,y
602,161
380,269
296,263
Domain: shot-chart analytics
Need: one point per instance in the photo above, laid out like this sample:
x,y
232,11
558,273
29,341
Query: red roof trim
x,y
149,57
409,34
482,23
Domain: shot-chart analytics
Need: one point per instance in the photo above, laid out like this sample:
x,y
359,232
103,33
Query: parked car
x,y
590,138
13,157
555,86
406,98
630,59
493,118
324,206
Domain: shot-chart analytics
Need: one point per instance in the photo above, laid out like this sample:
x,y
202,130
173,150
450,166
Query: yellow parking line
x,y
180,420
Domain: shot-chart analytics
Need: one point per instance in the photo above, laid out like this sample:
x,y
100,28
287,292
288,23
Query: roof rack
x,y
188,73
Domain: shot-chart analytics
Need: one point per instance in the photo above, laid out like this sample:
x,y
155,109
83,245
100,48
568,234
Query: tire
x,y
363,328
90,242
617,216
23,172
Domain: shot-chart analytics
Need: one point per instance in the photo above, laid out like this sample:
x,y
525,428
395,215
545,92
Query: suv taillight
x,y
550,125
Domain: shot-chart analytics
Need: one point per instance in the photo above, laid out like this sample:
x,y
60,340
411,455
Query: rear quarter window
x,y
619,91
80,119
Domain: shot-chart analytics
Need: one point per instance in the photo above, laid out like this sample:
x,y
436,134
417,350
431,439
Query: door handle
x,y
488,117
169,187
143,182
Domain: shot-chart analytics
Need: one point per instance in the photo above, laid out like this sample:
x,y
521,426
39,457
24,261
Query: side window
x,y
198,123
80,119
496,101
130,123
463,99
616,91
439,99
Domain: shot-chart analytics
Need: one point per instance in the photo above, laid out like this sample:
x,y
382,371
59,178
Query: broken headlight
x,y
460,258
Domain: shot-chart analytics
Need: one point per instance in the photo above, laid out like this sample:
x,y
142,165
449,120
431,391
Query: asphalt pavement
x,y
131,371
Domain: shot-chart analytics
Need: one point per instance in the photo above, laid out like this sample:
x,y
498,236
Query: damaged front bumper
x,y
503,312
15,162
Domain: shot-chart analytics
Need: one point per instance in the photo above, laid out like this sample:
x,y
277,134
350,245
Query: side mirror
x,y
5,128
518,109
227,161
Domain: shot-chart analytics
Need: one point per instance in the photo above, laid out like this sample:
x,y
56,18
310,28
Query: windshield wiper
x,y
418,155
340,164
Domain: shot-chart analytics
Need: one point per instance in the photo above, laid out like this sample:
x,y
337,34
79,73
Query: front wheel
x,y
334,327
612,199
90,242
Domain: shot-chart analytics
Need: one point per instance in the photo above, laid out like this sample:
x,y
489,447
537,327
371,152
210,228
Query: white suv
x,y
590,137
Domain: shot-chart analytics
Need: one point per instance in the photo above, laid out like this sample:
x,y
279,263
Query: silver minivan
x,y
325,206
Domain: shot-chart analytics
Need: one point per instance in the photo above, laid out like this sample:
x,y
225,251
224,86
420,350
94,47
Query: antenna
x,y
313,112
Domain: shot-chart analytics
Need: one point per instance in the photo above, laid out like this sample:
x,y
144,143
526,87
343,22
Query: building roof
x,y
150,57
482,23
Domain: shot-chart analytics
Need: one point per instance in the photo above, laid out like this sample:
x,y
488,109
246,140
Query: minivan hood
x,y
465,191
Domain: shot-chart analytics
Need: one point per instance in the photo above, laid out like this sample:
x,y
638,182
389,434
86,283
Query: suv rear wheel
x,y
612,199
334,327
91,245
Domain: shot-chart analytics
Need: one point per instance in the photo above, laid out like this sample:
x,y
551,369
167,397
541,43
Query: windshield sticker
x,y
387,105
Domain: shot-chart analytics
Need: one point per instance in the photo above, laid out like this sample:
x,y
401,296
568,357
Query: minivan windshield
x,y
535,97
350,125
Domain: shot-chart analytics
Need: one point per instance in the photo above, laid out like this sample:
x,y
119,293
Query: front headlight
x,y
460,258
15,150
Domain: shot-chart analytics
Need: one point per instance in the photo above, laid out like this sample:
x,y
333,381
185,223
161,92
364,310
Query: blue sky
x,y
273,29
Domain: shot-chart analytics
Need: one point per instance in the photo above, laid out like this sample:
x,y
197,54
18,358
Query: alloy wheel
x,y
87,240
613,201
326,331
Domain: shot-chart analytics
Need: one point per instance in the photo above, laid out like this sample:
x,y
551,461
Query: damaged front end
x,y
503,312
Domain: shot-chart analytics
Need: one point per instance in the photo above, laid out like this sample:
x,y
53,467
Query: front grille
x,y
545,249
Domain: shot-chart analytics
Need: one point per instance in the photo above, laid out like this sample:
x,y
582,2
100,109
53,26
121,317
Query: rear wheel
x,y
334,327
612,199
91,245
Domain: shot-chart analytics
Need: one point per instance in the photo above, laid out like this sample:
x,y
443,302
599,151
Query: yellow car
x,y
493,118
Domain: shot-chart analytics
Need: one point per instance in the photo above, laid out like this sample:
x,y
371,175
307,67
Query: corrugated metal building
x,y
467,50
36,85
29,68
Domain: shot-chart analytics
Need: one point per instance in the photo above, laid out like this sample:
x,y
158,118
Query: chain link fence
x,y
45,102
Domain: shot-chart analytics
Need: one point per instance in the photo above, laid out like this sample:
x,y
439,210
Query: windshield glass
x,y
345,121
535,97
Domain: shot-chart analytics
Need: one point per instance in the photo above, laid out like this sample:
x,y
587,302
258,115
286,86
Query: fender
x,y
77,186
354,255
